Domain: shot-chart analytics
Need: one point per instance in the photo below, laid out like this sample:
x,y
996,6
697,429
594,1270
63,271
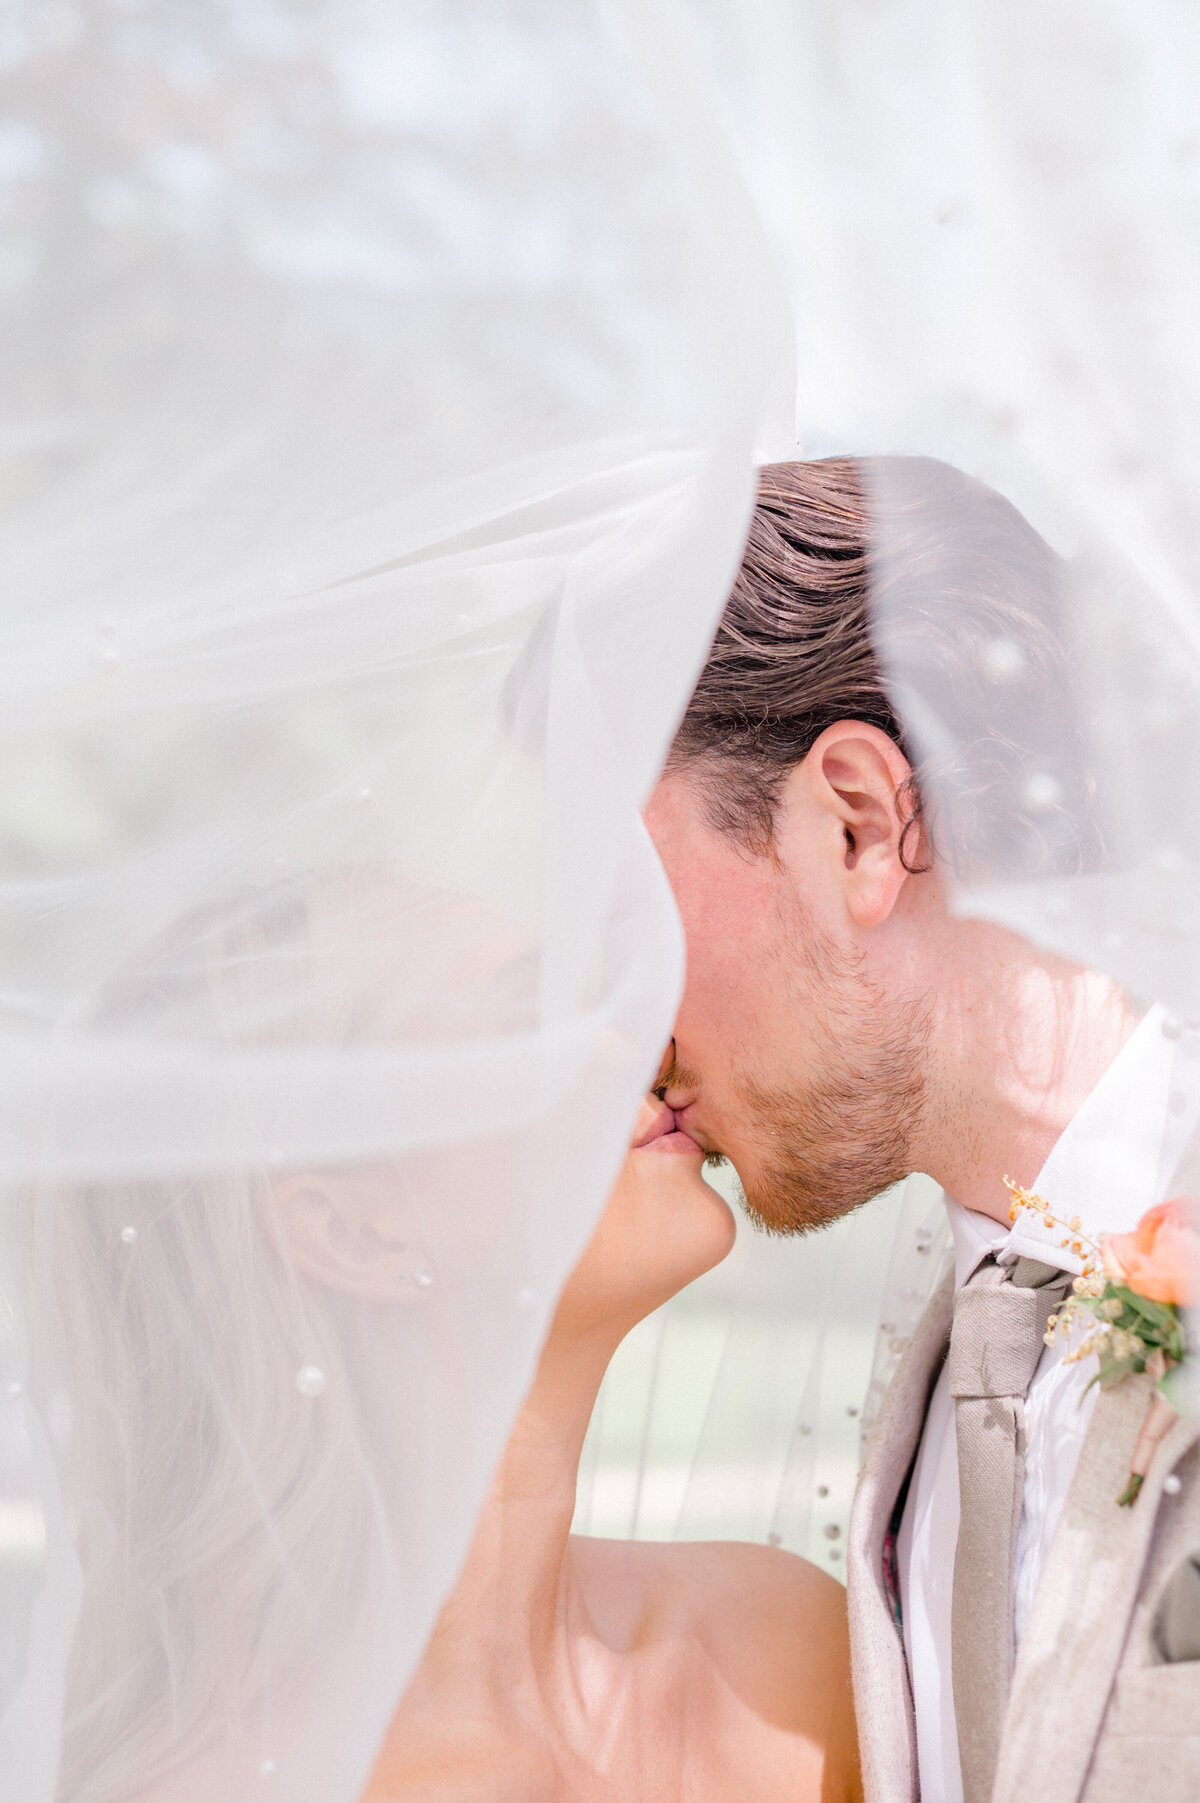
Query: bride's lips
x,y
674,1142
665,1137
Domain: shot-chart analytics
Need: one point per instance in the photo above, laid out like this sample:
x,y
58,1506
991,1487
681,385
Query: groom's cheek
x,y
728,903
727,949
720,1032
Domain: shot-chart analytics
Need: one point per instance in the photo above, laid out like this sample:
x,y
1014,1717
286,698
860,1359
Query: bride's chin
x,y
678,1167
663,1228
712,1221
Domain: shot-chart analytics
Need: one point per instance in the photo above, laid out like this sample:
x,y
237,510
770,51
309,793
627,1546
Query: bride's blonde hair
x,y
224,1509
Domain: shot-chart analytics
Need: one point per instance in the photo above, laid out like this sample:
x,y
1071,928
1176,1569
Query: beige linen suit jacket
x,y
1095,1716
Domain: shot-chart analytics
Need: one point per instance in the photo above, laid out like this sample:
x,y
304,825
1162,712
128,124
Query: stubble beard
x,y
825,1149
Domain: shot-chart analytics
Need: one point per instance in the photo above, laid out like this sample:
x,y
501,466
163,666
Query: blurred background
x,y
737,1411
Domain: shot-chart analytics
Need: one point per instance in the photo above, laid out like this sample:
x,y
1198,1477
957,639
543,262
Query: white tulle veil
x,y
382,392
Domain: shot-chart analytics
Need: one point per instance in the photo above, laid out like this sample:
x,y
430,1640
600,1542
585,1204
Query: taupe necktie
x,y
995,1343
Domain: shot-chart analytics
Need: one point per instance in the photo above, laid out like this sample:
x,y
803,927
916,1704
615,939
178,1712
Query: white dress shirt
x,y
1110,1165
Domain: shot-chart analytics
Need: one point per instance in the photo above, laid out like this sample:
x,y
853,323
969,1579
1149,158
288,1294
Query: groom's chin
x,y
783,1203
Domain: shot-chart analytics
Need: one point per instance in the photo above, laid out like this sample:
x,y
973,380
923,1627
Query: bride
x,y
564,1667
258,1344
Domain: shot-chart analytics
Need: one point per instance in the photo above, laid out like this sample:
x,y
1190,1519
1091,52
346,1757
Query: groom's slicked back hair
x,y
887,589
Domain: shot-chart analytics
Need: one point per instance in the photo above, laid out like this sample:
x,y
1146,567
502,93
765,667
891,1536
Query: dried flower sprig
x,y
1126,1328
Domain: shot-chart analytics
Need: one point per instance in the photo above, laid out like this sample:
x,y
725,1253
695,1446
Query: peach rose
x,y
1160,1259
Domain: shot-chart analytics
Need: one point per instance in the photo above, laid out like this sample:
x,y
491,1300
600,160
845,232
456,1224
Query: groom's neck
x,y
1021,1039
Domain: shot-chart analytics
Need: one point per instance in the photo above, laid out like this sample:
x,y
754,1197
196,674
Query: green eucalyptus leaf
x,y
1174,1387
1162,1316
1115,1371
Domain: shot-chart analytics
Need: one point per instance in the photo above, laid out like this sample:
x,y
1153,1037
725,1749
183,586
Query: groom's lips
x,y
684,1124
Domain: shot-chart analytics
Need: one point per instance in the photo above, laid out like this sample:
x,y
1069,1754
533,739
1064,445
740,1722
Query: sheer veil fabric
x,y
382,389
379,403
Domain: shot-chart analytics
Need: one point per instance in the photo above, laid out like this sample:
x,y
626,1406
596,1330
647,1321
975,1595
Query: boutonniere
x,y
1127,1302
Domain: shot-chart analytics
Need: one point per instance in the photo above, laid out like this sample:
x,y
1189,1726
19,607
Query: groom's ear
x,y
851,785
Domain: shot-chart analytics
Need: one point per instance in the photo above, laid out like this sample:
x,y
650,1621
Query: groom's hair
x,y
894,589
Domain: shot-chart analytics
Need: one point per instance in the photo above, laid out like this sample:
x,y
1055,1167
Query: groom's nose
x,y
677,1085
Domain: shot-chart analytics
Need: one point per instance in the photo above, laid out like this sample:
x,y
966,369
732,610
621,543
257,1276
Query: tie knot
x,y
999,1328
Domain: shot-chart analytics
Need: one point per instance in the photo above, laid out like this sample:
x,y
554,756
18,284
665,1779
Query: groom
x,y
1015,1634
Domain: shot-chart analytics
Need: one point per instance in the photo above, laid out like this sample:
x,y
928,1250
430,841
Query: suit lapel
x,y
882,1697
1075,1635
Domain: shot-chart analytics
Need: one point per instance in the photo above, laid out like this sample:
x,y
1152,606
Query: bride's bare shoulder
x,y
634,1585
757,1609
771,1626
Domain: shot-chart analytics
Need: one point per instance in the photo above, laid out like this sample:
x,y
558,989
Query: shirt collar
x,y
1103,1168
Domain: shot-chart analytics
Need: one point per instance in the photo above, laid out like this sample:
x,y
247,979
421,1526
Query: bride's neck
x,y
510,1608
